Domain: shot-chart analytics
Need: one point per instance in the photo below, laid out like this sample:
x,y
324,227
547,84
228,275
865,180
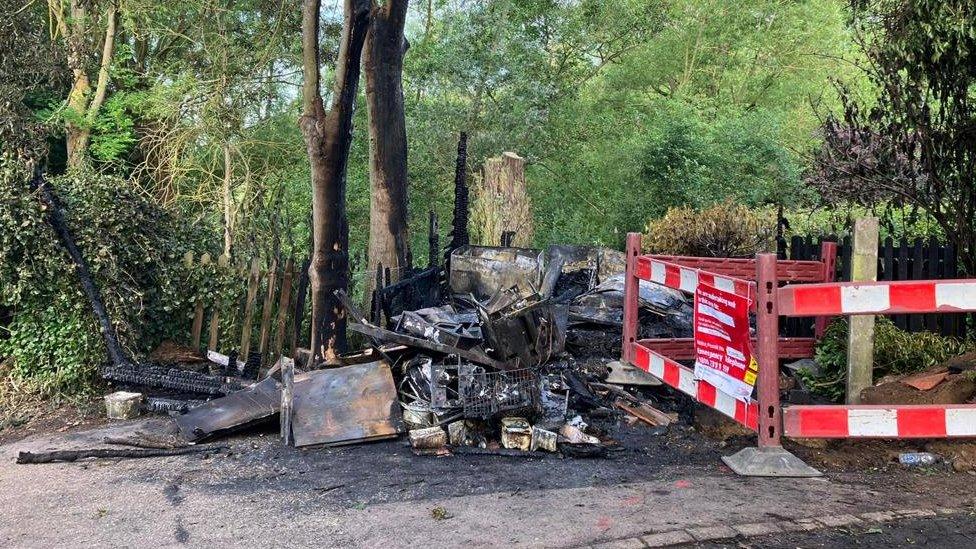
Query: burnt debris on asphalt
x,y
504,351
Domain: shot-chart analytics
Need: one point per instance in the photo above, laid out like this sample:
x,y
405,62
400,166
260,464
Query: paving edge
x,y
721,532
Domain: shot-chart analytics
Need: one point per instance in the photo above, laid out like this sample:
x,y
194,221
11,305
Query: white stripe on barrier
x,y
724,403
658,272
656,366
959,295
724,284
872,423
686,383
854,299
689,280
960,422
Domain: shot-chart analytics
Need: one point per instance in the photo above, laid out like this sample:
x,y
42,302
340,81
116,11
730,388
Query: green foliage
x,y
723,230
895,352
133,251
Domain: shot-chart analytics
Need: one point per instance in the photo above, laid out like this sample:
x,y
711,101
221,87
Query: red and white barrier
x,y
683,379
852,298
923,421
687,279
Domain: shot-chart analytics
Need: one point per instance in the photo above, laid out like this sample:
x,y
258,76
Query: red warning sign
x,y
723,355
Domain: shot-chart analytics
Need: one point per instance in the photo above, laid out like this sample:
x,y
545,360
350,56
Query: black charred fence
x,y
901,260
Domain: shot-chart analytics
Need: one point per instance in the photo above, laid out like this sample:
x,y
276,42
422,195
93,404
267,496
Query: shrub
x,y
895,352
722,230
133,249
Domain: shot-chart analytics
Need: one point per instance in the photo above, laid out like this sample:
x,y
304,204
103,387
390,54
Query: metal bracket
x,y
768,462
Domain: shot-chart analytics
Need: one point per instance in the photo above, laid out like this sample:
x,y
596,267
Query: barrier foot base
x,y
768,462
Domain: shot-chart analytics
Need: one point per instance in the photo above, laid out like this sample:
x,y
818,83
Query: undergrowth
x,y
895,352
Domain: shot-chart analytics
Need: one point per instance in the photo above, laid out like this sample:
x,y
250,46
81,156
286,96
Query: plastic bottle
x,y
917,459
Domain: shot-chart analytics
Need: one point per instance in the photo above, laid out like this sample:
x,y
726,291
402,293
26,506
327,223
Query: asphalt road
x,y
261,494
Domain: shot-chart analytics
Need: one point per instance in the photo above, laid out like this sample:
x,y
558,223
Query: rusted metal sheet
x,y
232,412
345,405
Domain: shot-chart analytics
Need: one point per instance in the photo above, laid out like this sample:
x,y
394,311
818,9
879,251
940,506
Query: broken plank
x,y
646,413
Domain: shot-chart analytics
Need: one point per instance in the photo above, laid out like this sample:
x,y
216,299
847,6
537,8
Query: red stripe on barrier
x,y
827,422
747,414
913,296
672,375
672,277
810,300
706,394
922,423
642,270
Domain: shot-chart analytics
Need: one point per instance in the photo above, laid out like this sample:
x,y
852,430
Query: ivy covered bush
x,y
49,339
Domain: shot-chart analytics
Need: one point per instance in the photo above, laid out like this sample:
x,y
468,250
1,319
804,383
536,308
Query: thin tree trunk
x,y
228,202
383,62
327,138
85,109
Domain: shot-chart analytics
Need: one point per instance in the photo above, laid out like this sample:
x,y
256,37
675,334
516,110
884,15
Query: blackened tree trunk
x,y
459,228
383,62
328,135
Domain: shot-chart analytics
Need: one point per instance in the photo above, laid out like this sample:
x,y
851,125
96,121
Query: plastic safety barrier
x,y
815,298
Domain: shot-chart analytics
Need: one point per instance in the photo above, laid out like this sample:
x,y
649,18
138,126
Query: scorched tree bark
x,y
328,135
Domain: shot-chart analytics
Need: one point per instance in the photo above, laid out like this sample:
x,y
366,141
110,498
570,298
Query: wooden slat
x,y
284,305
252,292
300,305
272,278
195,332
222,262
918,260
932,273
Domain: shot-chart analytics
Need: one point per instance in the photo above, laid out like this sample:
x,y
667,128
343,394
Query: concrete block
x,y
711,533
664,539
756,529
123,405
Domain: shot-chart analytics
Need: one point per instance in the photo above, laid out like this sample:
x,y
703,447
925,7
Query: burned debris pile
x,y
502,358
504,351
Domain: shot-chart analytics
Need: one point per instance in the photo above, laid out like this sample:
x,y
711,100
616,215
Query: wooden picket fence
x,y
275,290
904,260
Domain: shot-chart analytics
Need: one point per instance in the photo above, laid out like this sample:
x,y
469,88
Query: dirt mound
x,y
956,389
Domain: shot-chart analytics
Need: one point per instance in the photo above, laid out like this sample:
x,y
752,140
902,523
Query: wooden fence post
x,y
198,311
268,304
860,343
222,262
252,293
284,305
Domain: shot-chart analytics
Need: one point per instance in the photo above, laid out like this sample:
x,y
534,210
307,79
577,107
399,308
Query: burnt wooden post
x,y
433,240
284,305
